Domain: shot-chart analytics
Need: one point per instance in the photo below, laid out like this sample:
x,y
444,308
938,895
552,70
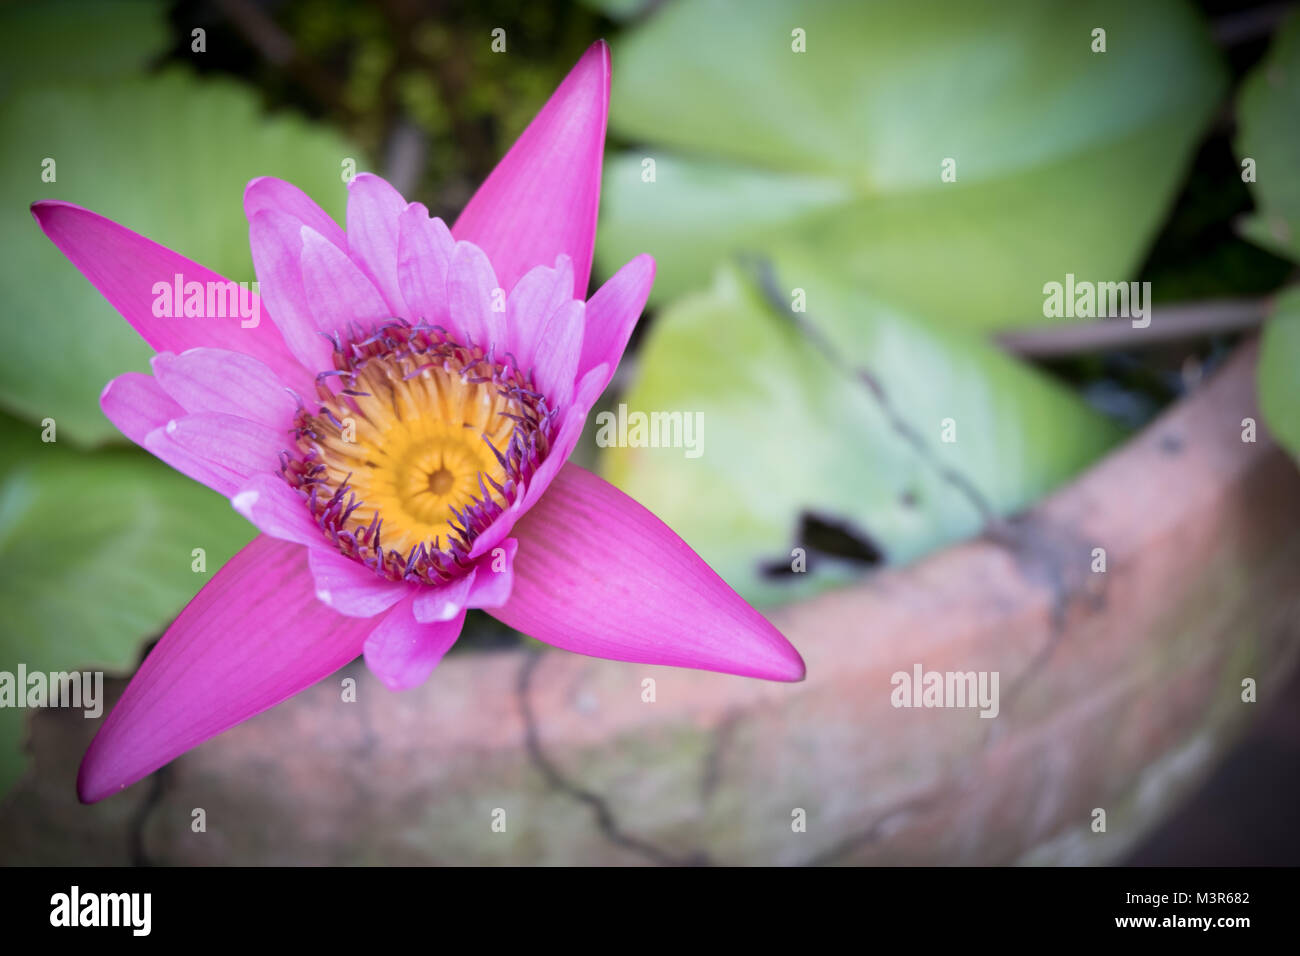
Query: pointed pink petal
x,y
612,313
471,289
275,239
221,479
435,605
221,451
534,299
424,251
269,193
555,363
351,588
542,198
374,208
487,585
598,574
402,652
137,404
216,380
254,635
277,510
338,292
124,266
495,576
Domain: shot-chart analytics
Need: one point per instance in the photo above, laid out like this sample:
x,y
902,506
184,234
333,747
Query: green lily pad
x,y
1065,159
1268,133
96,555
166,156
829,164
1267,107
1278,378
790,434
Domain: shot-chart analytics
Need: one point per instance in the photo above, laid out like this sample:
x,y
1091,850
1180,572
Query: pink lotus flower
x,y
398,433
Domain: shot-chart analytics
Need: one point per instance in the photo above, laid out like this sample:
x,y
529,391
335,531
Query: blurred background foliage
x,y
773,171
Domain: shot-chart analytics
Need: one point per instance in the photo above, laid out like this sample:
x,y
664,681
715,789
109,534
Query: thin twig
x,y
1173,323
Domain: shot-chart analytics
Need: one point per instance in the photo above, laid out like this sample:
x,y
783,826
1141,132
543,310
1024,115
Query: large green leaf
x,y
789,431
1065,159
96,555
167,156
1268,111
1279,372
1268,108
828,164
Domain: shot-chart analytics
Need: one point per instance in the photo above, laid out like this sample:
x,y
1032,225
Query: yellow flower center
x,y
423,446
413,449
